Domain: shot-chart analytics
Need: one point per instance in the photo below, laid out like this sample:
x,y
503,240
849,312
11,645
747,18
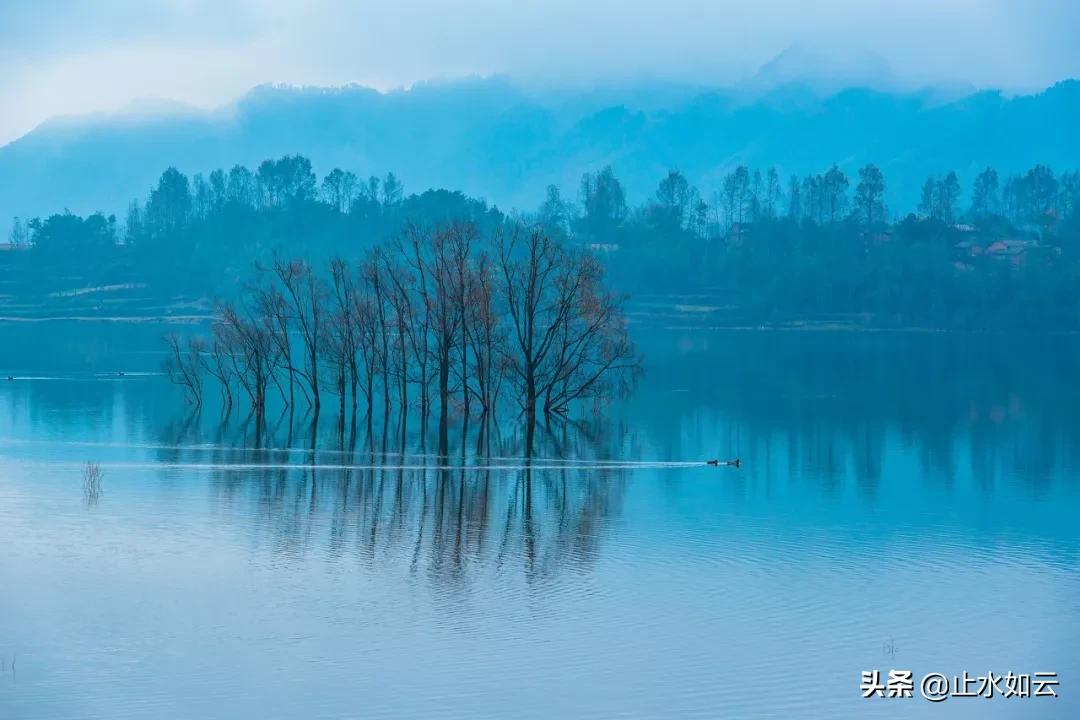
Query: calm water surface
x,y
906,501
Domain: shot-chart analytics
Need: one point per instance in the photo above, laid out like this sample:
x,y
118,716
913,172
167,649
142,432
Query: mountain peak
x,y
825,72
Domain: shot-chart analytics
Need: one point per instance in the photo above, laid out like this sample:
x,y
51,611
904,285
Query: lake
x,y
906,500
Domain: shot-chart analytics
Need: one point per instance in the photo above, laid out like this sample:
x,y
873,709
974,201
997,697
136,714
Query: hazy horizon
x,y
82,57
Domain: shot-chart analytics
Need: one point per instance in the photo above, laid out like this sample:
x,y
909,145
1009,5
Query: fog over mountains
x,y
505,142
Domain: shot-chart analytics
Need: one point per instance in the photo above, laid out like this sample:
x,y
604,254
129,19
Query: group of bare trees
x,y
441,318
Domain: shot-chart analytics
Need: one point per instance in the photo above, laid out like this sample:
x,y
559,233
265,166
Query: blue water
x,y
905,500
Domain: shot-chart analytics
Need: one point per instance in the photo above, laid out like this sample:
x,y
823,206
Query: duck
x,y
120,373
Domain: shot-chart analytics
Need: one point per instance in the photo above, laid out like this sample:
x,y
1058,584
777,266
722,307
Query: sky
x,y
65,57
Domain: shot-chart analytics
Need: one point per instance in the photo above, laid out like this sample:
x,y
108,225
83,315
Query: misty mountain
x,y
503,142
824,74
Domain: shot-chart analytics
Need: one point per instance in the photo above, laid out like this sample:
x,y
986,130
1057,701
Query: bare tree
x,y
183,365
487,335
410,333
567,332
367,326
447,258
346,330
373,275
220,366
593,354
276,313
417,282
305,295
337,352
253,351
462,238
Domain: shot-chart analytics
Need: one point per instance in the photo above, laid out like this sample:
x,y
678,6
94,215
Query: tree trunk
x,y
341,393
530,408
444,396
315,382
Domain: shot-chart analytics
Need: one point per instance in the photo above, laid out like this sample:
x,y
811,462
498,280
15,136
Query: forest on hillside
x,y
994,252
497,139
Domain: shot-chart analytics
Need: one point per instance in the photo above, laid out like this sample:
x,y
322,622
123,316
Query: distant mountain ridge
x,y
496,140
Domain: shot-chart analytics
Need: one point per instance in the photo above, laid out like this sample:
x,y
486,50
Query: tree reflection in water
x,y
444,516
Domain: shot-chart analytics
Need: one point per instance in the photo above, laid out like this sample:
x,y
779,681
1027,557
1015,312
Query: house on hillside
x,y
603,247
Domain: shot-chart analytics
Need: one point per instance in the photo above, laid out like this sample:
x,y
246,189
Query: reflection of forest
x,y
831,400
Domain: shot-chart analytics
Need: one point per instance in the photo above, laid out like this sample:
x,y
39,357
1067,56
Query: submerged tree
x,y
305,296
184,365
439,315
568,334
